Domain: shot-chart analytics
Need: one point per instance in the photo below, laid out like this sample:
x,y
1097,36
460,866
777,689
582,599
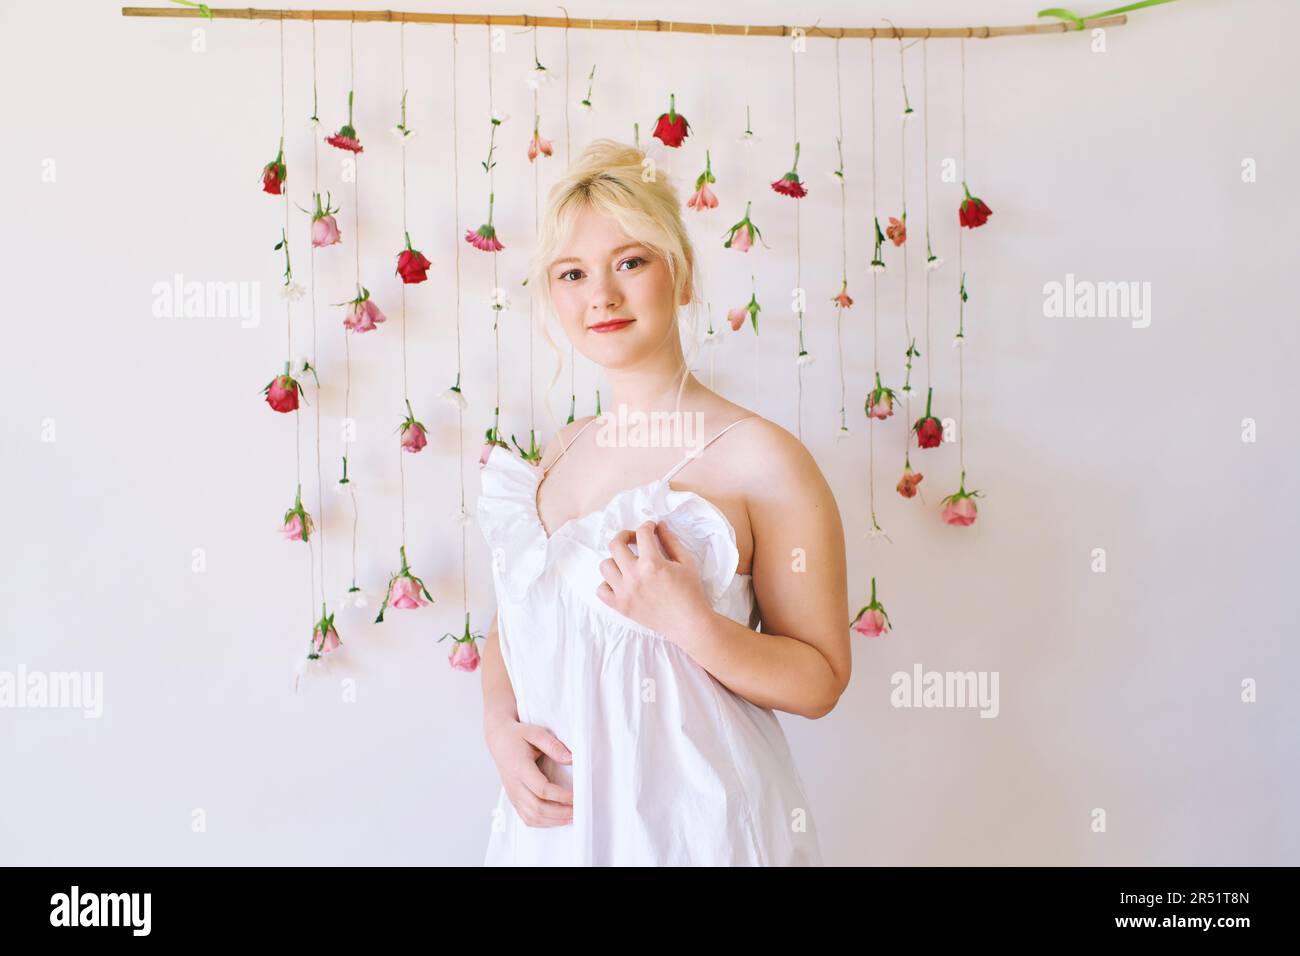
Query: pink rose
x,y
960,512
324,232
870,624
329,643
741,239
406,594
413,438
464,657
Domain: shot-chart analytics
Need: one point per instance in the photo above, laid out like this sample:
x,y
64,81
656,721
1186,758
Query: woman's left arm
x,y
800,662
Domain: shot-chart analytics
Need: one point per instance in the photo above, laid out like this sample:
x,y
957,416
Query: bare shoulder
x,y
561,439
775,462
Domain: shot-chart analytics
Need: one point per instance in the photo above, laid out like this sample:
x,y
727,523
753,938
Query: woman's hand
x,y
660,590
515,747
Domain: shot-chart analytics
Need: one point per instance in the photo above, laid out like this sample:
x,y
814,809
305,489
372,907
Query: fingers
x,y
621,554
547,743
646,545
535,812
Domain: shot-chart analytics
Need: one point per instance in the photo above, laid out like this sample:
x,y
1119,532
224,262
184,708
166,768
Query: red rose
x,y
929,430
672,127
412,266
973,212
282,393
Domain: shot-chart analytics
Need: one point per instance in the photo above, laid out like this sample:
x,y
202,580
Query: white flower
x,y
711,340
875,531
499,118
400,132
538,76
454,396
933,263
747,138
803,359
292,291
343,487
959,341
584,105
908,113
354,599
463,517
310,668
836,176
877,267
498,301
843,433
313,122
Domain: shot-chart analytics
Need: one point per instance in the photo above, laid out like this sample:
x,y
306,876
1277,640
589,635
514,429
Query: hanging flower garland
x,y
485,239
741,236
842,300
362,315
346,137
959,509
927,429
897,233
324,227
324,638
297,525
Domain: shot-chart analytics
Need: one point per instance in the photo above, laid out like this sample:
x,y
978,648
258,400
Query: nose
x,y
605,295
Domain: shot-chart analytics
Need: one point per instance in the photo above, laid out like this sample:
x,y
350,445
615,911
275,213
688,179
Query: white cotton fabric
x,y
669,766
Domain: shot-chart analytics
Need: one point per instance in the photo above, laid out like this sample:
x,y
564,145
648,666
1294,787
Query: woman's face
x,y
613,295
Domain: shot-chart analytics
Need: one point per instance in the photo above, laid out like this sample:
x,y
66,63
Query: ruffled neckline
x,y
510,518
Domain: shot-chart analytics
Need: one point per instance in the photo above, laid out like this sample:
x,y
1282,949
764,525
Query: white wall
x,y
1118,690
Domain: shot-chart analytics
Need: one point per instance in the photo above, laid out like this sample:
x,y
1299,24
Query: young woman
x,y
627,697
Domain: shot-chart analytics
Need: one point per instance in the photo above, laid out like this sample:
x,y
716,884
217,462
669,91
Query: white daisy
x,y
747,138
310,669
538,76
877,267
803,360
354,599
344,487
454,396
959,341
711,340
584,105
463,517
313,122
836,175
401,133
843,433
498,300
292,291
499,118
933,263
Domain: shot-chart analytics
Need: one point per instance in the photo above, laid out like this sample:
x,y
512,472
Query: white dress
x,y
669,766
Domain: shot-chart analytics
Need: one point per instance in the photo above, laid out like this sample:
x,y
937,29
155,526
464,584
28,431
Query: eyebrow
x,y
630,245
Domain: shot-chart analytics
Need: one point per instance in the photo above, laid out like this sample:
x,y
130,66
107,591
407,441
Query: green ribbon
x,y
1063,14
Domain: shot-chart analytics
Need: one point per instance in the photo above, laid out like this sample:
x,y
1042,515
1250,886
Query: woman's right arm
x,y
516,747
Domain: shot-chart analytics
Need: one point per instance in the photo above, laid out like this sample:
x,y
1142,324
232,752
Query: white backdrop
x,y
132,158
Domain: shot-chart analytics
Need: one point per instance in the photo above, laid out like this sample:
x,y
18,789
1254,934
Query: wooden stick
x,y
649,26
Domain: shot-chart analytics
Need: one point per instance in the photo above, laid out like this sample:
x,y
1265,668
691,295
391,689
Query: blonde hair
x,y
621,181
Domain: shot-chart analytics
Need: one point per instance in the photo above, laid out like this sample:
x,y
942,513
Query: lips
x,y
610,325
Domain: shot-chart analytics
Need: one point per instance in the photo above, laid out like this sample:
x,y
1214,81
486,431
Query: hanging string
x,y
460,412
844,237
875,318
347,342
925,129
798,262
961,271
288,328
907,326
496,276
537,171
320,484
568,158
406,396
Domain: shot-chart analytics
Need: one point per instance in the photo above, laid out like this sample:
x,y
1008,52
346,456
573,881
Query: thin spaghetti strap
x,y
565,448
696,452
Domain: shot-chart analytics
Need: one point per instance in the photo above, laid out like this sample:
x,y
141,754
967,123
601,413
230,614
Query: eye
x,y
569,272
632,259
